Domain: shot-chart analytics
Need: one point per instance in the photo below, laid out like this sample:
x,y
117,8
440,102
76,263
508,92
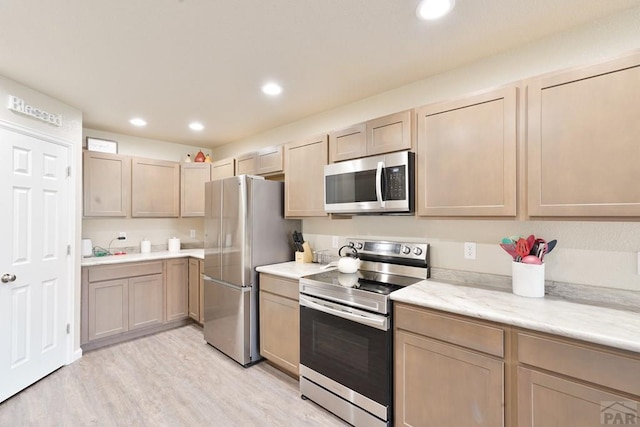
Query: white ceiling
x,y
174,61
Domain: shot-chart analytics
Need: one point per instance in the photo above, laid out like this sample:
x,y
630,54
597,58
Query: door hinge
x,y
68,171
68,249
68,328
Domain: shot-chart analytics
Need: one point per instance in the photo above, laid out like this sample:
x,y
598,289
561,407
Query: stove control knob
x,y
358,245
417,251
350,244
406,250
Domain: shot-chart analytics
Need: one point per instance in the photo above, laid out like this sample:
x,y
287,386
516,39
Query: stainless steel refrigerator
x,y
244,228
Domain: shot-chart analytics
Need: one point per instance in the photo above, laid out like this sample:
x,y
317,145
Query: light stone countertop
x,y
601,325
138,257
292,269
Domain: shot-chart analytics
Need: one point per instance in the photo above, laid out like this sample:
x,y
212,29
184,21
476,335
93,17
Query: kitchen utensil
x,y
298,241
531,240
510,248
349,262
531,259
522,249
550,245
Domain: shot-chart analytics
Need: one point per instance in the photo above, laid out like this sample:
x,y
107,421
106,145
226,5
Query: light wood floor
x,y
169,379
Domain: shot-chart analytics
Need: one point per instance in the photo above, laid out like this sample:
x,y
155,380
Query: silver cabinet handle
x,y
6,278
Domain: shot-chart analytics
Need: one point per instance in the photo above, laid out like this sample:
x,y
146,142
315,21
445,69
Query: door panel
x,y
35,232
235,260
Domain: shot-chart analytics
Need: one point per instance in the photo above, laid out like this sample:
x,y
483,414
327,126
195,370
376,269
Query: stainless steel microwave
x,y
371,185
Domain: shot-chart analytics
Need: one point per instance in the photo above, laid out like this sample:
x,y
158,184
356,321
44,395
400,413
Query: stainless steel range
x,y
346,330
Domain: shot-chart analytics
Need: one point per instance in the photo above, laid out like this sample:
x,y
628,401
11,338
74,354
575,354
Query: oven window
x,y
354,355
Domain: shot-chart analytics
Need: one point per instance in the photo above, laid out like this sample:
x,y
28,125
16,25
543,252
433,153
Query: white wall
x,y
594,253
158,230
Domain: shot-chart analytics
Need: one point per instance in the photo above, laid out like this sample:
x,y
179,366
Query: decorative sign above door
x,y
20,106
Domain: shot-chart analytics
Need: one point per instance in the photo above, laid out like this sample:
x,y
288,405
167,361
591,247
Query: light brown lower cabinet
x,y
453,370
194,289
125,301
443,384
280,322
177,286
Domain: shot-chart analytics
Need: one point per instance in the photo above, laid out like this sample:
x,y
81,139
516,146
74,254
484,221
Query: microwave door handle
x,y
379,183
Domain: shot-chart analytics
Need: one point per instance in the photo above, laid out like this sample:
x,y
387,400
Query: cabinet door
x,y
467,156
441,385
201,298
349,143
155,188
582,140
146,301
304,163
269,161
108,308
194,289
390,133
106,184
193,176
224,168
246,164
177,288
549,401
279,331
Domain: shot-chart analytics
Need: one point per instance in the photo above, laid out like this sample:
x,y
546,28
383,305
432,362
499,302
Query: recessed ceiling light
x,y
272,89
138,122
196,126
434,9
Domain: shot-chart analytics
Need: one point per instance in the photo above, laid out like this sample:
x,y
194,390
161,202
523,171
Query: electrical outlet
x,y
469,250
192,234
335,241
122,235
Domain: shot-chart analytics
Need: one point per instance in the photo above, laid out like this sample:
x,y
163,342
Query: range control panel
x,y
399,250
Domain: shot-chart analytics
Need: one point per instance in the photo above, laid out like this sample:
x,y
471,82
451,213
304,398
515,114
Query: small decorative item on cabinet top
x,y
199,157
187,158
207,159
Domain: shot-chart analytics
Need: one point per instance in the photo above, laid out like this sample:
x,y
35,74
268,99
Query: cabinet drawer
x,y
118,271
485,338
609,369
280,286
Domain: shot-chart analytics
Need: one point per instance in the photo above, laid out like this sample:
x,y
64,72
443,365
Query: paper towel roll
x,y
87,248
174,244
145,246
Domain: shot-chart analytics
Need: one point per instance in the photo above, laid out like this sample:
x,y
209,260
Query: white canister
x,y
527,279
87,248
173,244
145,246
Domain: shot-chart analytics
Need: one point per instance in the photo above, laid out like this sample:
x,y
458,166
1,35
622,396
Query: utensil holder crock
x,y
527,279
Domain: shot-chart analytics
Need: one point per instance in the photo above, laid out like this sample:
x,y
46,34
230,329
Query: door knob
x,y
6,278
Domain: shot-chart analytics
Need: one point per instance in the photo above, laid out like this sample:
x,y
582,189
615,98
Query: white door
x,y
34,267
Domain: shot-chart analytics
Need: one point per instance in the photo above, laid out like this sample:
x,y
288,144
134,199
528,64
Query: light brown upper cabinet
x,y
349,143
378,136
304,163
246,164
192,179
155,188
223,168
269,161
467,156
106,184
582,141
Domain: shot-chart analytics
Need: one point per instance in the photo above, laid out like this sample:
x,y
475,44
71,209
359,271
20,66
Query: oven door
x,y
370,185
353,354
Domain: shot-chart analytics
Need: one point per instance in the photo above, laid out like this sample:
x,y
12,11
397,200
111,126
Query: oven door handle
x,y
379,170
358,316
